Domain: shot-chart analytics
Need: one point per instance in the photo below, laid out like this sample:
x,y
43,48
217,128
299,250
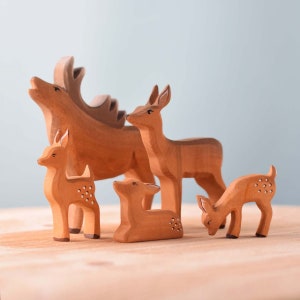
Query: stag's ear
x,y
164,97
152,188
204,204
64,139
153,96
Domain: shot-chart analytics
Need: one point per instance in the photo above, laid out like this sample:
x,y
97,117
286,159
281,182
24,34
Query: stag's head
x,y
66,86
210,218
55,155
62,100
149,115
133,189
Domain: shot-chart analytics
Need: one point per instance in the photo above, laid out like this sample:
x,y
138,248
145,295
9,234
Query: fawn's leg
x,y
60,223
75,218
235,224
214,186
171,194
265,220
91,226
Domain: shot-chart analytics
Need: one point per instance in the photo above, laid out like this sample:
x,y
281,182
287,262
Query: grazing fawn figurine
x,y
257,188
62,190
99,137
170,161
138,224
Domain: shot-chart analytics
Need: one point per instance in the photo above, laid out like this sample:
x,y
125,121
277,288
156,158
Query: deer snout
x,y
40,161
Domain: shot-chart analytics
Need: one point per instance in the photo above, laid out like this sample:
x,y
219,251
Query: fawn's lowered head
x,y
210,217
55,155
133,189
149,114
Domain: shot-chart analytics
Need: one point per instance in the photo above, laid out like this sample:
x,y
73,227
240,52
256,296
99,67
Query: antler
x,y
103,108
69,78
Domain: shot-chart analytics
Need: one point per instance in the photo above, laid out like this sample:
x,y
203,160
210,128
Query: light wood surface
x,y
198,266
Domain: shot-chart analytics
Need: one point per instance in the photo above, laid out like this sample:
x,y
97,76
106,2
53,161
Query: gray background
x,y
233,67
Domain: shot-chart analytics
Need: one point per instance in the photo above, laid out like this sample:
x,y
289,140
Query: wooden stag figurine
x,y
62,190
257,188
170,161
139,225
99,137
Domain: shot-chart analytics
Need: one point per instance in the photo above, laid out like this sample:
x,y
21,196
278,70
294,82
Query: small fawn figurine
x,y
138,224
257,188
170,161
62,190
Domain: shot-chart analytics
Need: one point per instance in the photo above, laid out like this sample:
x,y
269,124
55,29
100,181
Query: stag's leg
x,y
91,225
265,220
214,186
60,223
143,175
75,218
235,224
171,192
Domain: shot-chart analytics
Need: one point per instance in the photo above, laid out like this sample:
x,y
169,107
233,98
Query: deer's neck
x,y
130,210
55,176
225,205
154,140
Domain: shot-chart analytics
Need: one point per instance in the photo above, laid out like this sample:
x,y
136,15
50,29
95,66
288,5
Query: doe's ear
x,y
164,97
153,96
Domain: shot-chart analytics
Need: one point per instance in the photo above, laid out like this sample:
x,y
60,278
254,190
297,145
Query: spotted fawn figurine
x,y
252,188
62,190
138,224
170,161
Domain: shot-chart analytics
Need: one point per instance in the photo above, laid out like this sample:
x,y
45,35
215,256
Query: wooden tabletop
x,y
198,266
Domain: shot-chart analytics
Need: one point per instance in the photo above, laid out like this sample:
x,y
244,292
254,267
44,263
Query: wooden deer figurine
x,y
139,225
62,190
257,188
170,161
99,137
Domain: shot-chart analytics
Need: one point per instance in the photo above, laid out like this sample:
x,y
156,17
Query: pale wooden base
x,y
198,266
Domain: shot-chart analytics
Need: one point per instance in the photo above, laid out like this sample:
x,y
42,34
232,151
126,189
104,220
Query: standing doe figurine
x,y
170,161
138,224
257,188
62,190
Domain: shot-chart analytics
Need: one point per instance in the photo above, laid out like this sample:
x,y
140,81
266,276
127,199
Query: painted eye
x,y
208,222
149,111
134,183
56,89
53,154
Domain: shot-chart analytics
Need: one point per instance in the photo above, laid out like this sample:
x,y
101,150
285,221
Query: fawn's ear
x,y
64,139
204,204
164,97
56,139
153,96
152,188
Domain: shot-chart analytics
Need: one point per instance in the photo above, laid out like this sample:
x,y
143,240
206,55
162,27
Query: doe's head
x,y
55,154
149,114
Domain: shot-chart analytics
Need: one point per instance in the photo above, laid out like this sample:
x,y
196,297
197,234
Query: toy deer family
x,y
62,190
99,138
138,224
104,147
170,161
256,188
